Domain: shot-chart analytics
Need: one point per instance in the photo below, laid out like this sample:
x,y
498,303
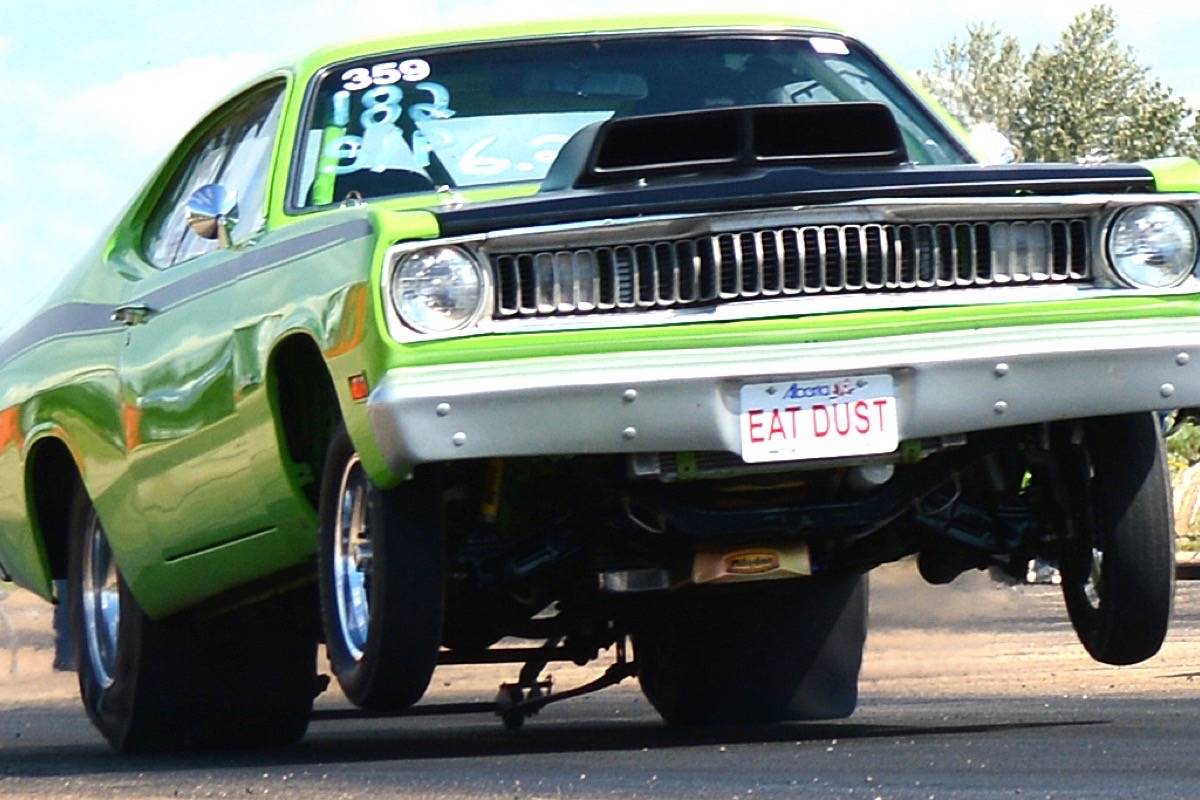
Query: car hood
x,y
774,187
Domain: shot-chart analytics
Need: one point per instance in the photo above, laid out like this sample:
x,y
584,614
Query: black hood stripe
x,y
769,188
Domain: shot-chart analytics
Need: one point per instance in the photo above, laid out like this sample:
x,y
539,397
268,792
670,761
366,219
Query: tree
x,y
982,79
1090,97
1086,98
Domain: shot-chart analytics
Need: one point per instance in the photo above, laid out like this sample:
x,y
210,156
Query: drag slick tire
x,y
755,653
1118,570
243,678
381,564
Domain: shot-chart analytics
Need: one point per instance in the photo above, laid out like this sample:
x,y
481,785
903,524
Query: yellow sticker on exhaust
x,y
758,564
751,563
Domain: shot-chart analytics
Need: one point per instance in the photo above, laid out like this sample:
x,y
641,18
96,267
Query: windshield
x,y
472,117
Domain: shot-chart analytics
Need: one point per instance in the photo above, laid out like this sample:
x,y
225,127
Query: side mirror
x,y
212,213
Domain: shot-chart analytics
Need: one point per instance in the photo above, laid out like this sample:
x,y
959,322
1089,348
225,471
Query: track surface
x,y
968,691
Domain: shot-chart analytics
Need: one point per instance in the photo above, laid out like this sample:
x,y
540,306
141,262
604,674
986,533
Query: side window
x,y
245,170
235,153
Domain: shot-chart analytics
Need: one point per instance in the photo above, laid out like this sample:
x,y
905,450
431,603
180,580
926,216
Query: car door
x,y
184,371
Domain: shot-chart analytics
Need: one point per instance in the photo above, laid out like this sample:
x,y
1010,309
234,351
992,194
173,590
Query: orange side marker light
x,y
359,389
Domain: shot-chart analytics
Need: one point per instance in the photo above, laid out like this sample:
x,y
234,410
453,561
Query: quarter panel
x,y
64,386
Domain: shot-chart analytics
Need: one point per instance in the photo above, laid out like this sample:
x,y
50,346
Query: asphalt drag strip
x,y
971,690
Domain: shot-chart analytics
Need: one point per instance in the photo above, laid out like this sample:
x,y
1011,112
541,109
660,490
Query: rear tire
x,y
1118,570
381,564
755,653
246,678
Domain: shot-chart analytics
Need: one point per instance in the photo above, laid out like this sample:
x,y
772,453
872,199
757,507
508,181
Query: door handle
x,y
132,315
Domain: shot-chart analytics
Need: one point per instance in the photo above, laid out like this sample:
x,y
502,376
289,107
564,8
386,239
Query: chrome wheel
x,y
1091,588
381,563
352,558
101,596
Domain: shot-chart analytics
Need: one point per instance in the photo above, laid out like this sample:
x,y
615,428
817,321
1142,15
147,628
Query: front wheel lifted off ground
x,y
758,652
244,678
380,564
1119,566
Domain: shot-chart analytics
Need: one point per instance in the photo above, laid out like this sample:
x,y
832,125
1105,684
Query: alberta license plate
x,y
826,418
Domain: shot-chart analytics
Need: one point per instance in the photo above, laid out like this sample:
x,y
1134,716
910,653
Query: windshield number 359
x,y
385,73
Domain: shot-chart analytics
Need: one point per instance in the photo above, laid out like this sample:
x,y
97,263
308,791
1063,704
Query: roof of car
x,y
316,60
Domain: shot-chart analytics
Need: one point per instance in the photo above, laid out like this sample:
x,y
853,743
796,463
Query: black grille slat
x,y
833,256
709,269
528,286
508,285
906,239
946,255
607,273
748,262
875,257
625,272
647,275
854,258
728,266
1080,268
770,244
814,268
790,261
793,267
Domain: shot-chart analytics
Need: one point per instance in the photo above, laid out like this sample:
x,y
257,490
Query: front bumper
x,y
687,400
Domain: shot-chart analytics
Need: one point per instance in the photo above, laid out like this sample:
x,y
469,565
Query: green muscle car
x,y
661,330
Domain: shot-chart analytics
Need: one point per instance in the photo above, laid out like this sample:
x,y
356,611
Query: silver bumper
x,y
687,400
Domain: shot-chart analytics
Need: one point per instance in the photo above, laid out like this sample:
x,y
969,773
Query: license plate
x,y
826,418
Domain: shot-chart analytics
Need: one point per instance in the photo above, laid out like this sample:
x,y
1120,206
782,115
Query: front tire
x,y
1118,568
755,653
381,567
245,678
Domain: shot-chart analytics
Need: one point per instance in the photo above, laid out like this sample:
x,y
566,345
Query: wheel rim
x,y
352,558
1094,579
101,595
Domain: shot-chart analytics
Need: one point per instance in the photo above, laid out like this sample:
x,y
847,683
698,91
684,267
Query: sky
x,y
94,93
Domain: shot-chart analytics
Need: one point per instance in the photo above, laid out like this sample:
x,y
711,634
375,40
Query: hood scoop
x,y
629,149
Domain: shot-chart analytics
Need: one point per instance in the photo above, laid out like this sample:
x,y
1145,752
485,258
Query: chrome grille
x,y
790,261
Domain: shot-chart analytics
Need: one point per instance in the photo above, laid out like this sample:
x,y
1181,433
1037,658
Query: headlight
x,y
438,290
1153,246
